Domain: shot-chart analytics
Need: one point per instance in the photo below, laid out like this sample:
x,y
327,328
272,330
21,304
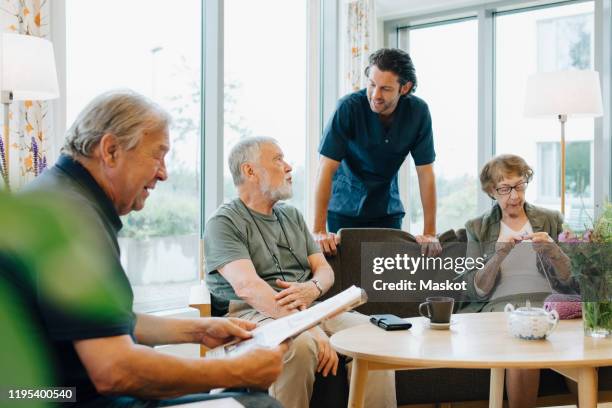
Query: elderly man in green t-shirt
x,y
262,263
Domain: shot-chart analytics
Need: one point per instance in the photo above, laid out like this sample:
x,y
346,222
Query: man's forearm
x,y
322,195
427,188
146,373
261,297
325,276
154,330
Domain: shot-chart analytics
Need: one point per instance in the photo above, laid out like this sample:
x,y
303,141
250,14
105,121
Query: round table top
x,y
474,340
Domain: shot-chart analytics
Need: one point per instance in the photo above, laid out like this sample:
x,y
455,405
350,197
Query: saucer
x,y
441,326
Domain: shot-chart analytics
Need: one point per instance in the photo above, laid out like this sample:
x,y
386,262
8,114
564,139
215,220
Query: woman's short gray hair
x,y
125,114
501,166
246,150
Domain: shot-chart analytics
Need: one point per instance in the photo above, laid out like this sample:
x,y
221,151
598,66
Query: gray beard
x,y
283,192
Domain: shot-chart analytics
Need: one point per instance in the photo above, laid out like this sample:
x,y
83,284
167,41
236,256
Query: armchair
x,y
328,392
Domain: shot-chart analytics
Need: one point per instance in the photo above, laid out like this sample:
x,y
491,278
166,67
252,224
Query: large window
x,y
545,40
445,58
265,81
154,48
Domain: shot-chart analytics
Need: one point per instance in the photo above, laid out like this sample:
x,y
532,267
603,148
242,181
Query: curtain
x,y
360,33
30,122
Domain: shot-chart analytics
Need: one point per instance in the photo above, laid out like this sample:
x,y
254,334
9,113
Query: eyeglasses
x,y
505,190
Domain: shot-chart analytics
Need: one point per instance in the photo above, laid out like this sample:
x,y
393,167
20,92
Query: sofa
x,y
461,387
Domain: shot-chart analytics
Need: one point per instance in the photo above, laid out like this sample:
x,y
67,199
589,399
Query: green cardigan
x,y
483,232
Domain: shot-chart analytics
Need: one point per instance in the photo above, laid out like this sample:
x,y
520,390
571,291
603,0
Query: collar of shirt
x,y
80,174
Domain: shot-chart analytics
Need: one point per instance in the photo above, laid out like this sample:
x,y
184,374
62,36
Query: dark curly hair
x,y
396,61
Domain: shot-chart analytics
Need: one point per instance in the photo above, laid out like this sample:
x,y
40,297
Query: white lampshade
x,y
572,93
28,67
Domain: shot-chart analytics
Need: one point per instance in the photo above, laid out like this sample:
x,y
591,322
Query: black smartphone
x,y
390,322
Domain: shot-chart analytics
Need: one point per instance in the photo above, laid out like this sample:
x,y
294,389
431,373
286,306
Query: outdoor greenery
x,y
164,215
456,201
578,168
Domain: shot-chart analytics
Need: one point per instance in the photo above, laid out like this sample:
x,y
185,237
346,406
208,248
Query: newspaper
x,y
279,330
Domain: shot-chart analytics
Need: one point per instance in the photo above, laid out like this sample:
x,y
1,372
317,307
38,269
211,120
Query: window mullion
x,y
212,108
486,96
603,126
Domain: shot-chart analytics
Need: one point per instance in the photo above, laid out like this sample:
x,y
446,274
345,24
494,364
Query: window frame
x,y
542,176
322,44
397,34
407,172
58,108
321,99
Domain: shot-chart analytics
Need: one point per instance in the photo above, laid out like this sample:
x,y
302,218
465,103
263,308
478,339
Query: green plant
x,y
591,261
597,315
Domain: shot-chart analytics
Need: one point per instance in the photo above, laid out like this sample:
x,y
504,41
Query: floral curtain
x,y
30,123
360,33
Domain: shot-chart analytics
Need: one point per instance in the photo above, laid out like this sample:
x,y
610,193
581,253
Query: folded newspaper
x,y
279,330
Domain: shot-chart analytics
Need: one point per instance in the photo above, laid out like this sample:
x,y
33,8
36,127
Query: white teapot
x,y
531,323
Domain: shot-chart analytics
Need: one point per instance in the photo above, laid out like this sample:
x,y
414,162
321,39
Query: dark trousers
x,y
336,221
248,399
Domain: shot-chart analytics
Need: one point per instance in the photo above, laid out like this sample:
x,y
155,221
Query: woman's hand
x,y
542,243
504,245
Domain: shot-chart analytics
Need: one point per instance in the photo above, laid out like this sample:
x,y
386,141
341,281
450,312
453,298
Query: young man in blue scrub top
x,y
364,144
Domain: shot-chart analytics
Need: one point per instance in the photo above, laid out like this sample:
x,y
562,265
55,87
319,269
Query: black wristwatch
x,y
318,285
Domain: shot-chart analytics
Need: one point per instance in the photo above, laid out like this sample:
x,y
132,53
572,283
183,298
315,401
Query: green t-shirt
x,y
231,235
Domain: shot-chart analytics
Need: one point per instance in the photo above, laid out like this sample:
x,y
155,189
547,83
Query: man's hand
x,y
260,367
296,295
430,246
214,331
328,242
328,358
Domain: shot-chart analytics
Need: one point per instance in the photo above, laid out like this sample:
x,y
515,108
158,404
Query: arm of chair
x,y
199,298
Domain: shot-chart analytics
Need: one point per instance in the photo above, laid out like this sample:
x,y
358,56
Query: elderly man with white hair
x,y
114,154
262,263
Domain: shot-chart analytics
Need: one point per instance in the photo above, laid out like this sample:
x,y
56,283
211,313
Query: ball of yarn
x,y
568,306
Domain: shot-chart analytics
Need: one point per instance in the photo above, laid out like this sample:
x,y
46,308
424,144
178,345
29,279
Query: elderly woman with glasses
x,y
521,258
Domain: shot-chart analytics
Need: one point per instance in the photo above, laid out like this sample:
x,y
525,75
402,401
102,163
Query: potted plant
x,y
591,262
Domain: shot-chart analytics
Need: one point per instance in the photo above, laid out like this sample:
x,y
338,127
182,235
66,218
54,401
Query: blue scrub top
x,y
365,185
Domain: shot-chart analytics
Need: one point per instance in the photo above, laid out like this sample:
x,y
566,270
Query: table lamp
x,y
562,94
28,72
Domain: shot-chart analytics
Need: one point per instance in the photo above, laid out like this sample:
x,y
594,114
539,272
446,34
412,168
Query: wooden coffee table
x,y
475,340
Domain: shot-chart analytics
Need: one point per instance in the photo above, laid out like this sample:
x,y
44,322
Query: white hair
x,y
246,150
125,114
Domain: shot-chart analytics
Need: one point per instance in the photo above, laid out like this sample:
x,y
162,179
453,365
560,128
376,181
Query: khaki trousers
x,y
294,386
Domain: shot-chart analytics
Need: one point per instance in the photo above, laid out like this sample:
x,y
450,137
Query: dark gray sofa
x,y
468,387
